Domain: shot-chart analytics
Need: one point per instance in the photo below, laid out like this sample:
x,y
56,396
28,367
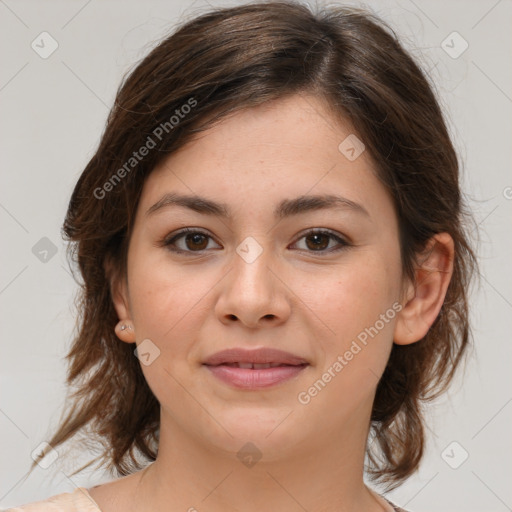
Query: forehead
x,y
288,147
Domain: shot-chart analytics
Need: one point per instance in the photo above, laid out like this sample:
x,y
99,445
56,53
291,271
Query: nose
x,y
253,294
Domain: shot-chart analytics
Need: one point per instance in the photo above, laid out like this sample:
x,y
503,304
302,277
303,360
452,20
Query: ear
x,y
425,296
119,292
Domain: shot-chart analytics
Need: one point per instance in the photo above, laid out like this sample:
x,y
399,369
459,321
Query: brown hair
x,y
224,61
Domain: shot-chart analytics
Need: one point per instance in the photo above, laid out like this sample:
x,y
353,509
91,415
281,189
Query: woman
x,y
275,269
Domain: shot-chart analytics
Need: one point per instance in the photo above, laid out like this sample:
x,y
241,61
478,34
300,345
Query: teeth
x,y
261,366
255,366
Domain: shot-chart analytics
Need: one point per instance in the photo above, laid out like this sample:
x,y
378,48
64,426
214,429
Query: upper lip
x,y
257,356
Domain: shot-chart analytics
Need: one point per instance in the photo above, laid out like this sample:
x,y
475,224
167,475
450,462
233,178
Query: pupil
x,y
196,240
317,237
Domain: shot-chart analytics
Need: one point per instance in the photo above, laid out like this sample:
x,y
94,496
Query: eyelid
x,y
324,231
342,241
179,234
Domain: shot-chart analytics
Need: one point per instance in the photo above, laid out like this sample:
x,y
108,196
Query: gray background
x,y
53,112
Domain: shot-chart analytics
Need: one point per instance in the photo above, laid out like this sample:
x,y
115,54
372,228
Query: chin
x,y
271,430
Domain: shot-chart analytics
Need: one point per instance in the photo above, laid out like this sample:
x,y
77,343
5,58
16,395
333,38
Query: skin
x,y
307,301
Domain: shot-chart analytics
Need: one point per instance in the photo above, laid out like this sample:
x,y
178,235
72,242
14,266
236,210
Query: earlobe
x,y
124,329
125,332
425,296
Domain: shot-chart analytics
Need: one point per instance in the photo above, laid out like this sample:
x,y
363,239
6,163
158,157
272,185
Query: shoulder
x,y
396,508
389,505
77,501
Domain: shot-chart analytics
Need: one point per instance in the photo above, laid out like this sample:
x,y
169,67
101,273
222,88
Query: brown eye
x,y
192,240
196,241
187,241
317,241
321,241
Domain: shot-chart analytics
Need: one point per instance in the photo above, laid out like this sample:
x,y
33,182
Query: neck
x,y
325,476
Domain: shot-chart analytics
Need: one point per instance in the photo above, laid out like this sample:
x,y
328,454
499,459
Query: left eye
x,y
319,240
190,240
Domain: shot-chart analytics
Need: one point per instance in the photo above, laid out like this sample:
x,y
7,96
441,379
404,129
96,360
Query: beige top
x,y
81,501
77,501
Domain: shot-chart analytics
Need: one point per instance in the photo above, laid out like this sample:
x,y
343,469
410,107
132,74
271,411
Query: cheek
x,y
164,300
354,296
158,290
165,303
153,305
357,308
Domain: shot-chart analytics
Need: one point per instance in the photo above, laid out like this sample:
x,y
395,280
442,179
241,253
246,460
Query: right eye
x,y
190,239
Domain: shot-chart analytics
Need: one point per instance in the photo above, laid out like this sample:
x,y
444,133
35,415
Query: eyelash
x,y
170,240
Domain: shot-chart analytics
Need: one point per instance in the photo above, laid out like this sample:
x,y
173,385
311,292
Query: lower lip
x,y
247,378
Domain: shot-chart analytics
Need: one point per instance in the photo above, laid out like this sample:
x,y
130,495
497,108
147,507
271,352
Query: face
x,y
319,281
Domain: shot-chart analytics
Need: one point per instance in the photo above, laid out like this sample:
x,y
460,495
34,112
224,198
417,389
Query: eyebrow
x,y
286,208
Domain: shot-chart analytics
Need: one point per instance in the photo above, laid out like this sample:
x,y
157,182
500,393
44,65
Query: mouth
x,y
255,376
256,366
255,369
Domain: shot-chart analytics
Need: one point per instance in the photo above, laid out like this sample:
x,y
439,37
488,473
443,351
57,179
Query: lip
x,y
285,366
259,356
245,378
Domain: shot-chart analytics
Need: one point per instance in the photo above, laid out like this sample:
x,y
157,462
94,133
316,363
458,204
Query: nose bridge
x,y
251,277
252,293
